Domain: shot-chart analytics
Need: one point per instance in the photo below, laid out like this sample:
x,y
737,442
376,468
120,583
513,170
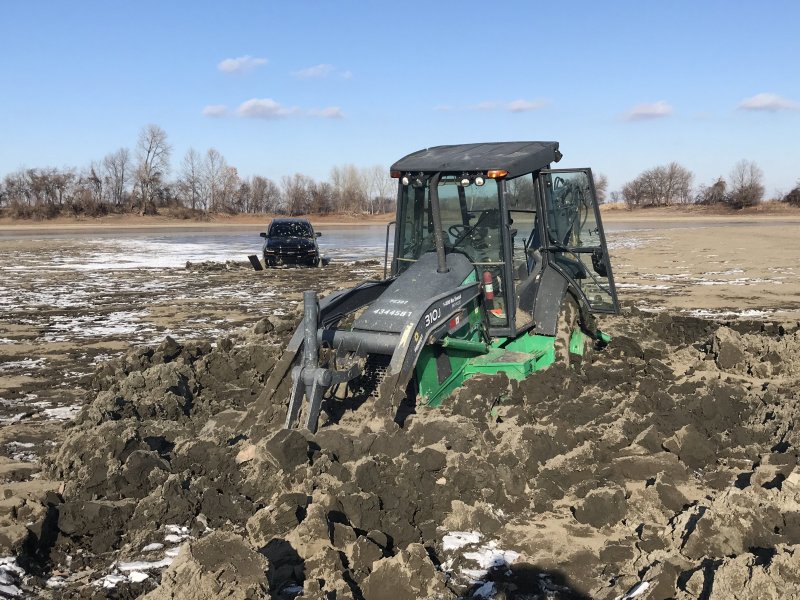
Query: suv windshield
x,y
290,229
470,221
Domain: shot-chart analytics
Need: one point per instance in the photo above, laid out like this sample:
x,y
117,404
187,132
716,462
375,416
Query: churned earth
x,y
664,466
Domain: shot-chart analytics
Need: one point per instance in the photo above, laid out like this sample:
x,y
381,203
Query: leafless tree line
x,y
672,184
140,181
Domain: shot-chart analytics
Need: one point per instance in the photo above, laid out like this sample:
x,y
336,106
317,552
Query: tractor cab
x,y
499,265
530,232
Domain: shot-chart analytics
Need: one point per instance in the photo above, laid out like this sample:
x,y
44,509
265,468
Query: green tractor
x,y
499,265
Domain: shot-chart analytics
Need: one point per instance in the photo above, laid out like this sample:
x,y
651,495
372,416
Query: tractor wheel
x,y
567,322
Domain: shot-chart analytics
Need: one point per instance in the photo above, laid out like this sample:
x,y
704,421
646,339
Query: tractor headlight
x,y
479,181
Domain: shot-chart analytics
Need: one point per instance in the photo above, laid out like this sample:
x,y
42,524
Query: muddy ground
x,y
663,466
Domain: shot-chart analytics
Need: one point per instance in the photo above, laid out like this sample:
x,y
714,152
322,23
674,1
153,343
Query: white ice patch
x,y
636,591
120,323
487,590
13,418
458,539
643,286
26,364
111,581
10,577
55,582
750,313
144,565
21,451
137,576
153,547
62,413
490,556
176,533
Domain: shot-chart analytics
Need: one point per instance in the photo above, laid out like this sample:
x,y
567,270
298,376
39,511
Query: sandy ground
x,y
665,465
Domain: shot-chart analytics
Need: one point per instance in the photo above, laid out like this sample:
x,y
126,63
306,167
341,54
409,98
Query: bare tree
x,y
601,187
746,184
296,196
350,189
793,197
712,194
660,186
380,186
153,153
190,182
266,195
229,189
117,174
213,174
320,197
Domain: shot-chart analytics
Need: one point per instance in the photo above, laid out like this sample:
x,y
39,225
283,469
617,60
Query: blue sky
x,y
623,86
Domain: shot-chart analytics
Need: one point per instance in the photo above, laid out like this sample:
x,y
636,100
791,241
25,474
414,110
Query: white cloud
x,y
331,112
525,105
242,64
513,106
322,71
267,108
215,110
264,108
315,72
649,110
769,103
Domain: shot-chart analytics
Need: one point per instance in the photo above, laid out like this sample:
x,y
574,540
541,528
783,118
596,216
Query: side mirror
x,y
263,234
317,234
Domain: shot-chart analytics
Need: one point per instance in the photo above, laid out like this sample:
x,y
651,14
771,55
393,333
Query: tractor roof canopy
x,y
517,158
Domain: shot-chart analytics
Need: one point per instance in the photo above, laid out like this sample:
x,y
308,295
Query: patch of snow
x,y
21,365
10,577
636,591
111,580
145,565
490,556
719,314
137,576
458,539
487,590
62,413
55,582
644,286
152,547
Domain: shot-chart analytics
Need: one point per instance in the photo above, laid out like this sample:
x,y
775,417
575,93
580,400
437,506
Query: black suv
x,y
291,241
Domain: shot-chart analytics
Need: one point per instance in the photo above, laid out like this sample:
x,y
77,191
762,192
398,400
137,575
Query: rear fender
x,y
550,294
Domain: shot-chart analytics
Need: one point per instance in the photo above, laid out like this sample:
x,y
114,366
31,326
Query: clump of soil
x,y
666,463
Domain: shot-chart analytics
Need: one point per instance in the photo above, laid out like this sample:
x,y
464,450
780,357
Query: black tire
x,y
568,319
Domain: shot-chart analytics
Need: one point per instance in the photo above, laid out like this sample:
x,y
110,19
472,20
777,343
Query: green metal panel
x,y
577,342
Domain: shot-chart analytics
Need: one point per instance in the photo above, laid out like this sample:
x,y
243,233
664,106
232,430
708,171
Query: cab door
x,y
574,240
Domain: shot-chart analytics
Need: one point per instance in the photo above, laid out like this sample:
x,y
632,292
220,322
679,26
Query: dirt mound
x,y
665,464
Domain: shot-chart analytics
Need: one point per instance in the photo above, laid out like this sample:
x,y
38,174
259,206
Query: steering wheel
x,y
559,182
